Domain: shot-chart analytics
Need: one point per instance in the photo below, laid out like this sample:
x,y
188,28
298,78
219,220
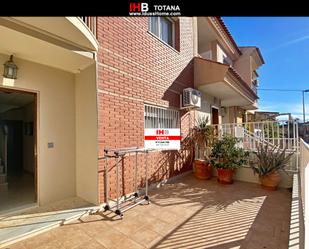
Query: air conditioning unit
x,y
191,98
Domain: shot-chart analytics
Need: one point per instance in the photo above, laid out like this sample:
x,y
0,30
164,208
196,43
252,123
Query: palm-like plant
x,y
269,160
201,137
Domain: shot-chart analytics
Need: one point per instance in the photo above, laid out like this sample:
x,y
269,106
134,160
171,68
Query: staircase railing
x,y
280,134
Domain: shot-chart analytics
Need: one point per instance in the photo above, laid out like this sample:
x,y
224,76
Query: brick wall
x,y
135,68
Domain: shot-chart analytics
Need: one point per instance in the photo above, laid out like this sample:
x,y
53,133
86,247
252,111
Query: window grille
x,y
158,117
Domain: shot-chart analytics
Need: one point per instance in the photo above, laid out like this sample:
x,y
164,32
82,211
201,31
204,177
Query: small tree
x,y
227,155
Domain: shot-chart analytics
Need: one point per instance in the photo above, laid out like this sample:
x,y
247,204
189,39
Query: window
x,y
164,28
226,60
157,117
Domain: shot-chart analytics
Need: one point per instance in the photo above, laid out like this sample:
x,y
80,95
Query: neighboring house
x,y
97,86
260,116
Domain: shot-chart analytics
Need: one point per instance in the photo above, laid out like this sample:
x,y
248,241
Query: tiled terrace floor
x,y
186,214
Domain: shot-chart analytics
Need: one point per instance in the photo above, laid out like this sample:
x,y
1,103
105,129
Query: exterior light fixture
x,y
10,69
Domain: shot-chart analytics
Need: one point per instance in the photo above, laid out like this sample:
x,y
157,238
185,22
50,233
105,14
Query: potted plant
x,y
268,161
227,156
200,141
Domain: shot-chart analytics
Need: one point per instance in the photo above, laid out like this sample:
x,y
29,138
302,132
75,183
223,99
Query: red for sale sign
x,y
163,139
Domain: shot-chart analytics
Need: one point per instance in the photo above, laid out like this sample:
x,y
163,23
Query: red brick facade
x,y
134,68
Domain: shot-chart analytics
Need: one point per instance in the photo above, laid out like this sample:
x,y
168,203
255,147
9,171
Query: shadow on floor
x,y
241,215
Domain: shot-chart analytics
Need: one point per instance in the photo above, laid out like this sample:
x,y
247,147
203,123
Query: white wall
x,y
208,102
56,123
221,55
245,174
207,55
86,135
304,185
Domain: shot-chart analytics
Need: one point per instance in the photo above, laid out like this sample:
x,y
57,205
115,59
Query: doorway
x,y
214,116
18,170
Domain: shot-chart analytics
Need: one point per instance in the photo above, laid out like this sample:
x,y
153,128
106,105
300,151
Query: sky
x,y
284,44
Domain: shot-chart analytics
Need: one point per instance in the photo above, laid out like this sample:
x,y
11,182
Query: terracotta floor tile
x,y
186,214
146,237
91,245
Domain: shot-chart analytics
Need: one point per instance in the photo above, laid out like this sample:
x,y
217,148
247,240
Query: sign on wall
x,y
162,139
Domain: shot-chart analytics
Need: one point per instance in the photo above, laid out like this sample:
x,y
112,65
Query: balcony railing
x,y
254,88
91,22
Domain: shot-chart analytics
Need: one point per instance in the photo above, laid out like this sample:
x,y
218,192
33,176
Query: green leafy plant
x,y
269,160
227,155
201,137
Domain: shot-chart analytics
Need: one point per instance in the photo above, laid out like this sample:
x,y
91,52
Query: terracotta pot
x,y
270,181
225,176
202,170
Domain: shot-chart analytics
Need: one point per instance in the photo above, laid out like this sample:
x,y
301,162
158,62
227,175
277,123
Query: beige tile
x,y
19,245
110,237
70,236
188,213
160,227
146,237
39,240
126,243
47,245
91,245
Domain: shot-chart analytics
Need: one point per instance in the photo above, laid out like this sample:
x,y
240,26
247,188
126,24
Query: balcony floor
x,y
186,214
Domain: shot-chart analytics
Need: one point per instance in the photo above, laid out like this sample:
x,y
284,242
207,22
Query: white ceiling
x,y
228,95
39,51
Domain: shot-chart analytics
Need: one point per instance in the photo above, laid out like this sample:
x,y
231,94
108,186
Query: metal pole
x,y
146,171
304,111
117,181
106,185
135,176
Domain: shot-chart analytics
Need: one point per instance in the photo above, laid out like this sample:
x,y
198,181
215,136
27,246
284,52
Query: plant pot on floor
x,y
202,169
270,181
225,176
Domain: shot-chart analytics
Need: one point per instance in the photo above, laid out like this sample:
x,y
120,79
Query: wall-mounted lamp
x,y
10,69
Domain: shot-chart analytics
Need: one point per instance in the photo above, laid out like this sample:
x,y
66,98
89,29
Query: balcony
x,y
71,32
91,22
67,43
222,81
254,88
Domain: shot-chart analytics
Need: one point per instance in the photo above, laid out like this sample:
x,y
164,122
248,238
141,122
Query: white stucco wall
x,y
86,135
207,103
56,123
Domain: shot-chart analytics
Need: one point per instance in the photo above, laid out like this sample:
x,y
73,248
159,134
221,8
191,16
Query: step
x,y
2,178
3,187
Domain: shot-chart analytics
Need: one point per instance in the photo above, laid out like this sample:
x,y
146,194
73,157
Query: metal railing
x,y
91,22
279,134
282,134
254,88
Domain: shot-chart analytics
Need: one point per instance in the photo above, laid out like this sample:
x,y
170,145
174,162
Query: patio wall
x,y
135,67
304,186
